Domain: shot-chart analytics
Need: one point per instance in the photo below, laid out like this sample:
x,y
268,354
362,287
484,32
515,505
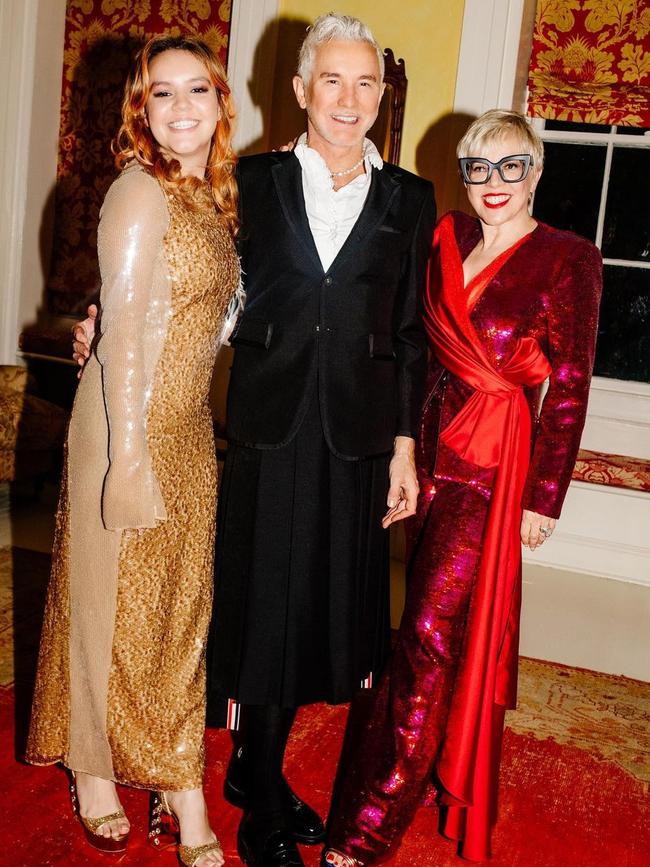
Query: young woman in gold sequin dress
x,y
120,691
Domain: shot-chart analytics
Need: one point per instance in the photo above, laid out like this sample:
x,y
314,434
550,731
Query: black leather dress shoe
x,y
274,849
304,822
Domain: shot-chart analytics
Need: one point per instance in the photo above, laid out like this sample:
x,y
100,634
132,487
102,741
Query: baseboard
x,y
586,621
618,418
603,532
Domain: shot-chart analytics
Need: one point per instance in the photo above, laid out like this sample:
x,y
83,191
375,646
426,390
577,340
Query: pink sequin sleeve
x,y
572,328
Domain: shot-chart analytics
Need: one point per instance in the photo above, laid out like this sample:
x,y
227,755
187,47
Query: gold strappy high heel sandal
x,y
91,825
164,831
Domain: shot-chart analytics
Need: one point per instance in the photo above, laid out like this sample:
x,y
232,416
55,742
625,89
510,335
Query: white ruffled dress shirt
x,y
332,213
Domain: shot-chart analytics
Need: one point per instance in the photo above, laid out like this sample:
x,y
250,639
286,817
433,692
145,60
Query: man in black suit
x,y
323,407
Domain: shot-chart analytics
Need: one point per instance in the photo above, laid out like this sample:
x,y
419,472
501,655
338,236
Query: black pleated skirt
x,y
301,604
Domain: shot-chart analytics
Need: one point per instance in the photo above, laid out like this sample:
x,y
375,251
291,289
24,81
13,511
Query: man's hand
x,y
289,146
403,493
535,529
82,337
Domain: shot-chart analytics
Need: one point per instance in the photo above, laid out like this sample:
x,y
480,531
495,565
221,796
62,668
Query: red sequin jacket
x,y
548,289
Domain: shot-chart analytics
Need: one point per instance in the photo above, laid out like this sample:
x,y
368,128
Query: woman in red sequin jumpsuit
x,y
510,303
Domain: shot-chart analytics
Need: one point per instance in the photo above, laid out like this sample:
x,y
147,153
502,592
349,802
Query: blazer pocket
x,y
391,229
381,347
255,332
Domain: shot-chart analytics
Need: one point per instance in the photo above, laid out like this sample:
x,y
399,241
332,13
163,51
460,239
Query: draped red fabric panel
x,y
101,37
590,62
492,429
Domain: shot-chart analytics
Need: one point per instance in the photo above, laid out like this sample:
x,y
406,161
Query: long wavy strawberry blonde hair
x,y
135,141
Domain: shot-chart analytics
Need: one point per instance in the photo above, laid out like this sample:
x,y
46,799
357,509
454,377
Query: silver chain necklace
x,y
350,170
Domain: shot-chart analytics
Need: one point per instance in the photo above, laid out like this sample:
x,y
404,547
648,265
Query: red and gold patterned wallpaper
x,y
591,62
101,37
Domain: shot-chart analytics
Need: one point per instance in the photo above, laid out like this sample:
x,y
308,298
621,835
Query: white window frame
x,y
618,419
611,140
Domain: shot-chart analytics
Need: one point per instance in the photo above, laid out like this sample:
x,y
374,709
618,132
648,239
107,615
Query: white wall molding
x,y
603,531
618,418
585,620
489,50
252,90
17,58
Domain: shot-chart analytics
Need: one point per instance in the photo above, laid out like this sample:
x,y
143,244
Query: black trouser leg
x,y
265,735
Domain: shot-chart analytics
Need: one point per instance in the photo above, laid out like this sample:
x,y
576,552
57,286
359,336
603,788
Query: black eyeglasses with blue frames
x,y
512,169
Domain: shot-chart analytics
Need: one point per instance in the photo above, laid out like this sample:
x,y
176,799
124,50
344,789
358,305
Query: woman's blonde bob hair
x,y
134,140
494,125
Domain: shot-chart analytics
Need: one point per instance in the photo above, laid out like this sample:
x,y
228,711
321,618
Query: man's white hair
x,y
327,28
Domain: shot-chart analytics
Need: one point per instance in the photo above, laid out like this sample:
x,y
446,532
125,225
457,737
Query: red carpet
x,y
574,782
560,806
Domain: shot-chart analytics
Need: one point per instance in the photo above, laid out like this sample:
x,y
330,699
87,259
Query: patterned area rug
x,y
574,784
607,717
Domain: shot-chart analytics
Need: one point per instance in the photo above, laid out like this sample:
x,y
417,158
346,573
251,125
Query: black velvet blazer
x,y
354,333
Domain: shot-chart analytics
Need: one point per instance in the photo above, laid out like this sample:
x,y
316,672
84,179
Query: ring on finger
x,y
546,531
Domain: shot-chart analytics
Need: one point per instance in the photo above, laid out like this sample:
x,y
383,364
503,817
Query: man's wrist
x,y
404,447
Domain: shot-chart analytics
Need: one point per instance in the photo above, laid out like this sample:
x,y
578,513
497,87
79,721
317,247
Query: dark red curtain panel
x,y
101,37
590,62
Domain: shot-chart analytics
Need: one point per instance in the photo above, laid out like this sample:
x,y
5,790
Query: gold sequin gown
x,y
120,689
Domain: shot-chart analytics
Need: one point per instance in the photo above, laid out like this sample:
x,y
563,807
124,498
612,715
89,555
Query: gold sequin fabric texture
x,y
152,704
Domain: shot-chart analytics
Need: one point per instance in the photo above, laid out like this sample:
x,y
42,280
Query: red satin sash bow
x,y
493,429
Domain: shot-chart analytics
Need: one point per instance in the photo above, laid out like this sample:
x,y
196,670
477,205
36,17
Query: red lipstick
x,y
494,205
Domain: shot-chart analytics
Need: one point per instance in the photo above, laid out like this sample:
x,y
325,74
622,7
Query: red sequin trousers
x,y
387,777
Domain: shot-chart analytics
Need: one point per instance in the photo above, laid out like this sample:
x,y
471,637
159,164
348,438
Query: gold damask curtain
x,y
590,62
101,37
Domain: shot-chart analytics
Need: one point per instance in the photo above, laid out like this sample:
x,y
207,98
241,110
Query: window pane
x,y
633,130
568,195
567,126
623,349
626,233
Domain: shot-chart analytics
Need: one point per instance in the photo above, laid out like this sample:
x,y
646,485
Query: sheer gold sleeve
x,y
135,301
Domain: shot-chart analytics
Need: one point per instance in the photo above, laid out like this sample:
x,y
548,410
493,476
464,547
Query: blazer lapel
x,y
287,176
383,187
